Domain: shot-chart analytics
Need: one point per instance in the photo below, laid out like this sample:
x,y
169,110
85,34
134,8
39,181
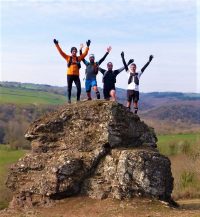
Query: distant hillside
x,y
177,111
18,95
147,100
38,87
156,99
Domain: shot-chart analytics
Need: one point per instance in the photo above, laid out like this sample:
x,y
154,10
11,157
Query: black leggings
x,y
107,89
76,79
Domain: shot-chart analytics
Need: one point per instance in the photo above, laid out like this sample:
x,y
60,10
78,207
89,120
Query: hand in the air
x,y
55,41
150,57
130,61
109,49
81,46
88,43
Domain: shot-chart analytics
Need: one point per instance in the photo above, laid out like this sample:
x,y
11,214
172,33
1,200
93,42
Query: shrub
x,y
173,148
185,147
187,179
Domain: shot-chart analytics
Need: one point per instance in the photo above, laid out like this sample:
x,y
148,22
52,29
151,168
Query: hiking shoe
x,y
98,95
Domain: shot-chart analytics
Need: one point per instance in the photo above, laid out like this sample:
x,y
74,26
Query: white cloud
x,y
96,8
137,27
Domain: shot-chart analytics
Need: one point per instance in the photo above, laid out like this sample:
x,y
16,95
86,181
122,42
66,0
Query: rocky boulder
x,y
96,148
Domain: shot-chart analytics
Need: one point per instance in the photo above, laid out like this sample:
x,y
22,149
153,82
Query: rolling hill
x,y
165,111
18,95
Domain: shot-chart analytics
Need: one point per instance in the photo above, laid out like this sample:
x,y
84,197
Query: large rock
x,y
95,148
129,173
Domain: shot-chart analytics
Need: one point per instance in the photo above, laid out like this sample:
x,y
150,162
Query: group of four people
x,y
109,75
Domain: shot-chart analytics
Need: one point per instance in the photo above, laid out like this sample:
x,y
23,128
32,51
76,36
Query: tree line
x,y
15,120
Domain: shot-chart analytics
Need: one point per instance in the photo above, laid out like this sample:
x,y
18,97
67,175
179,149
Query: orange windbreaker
x,y
73,69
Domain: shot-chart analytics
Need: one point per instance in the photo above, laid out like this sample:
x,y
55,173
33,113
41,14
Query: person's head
x,y
91,58
73,51
109,66
133,67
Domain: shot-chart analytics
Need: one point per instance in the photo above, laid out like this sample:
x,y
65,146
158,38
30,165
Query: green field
x,y
28,96
183,151
174,144
7,157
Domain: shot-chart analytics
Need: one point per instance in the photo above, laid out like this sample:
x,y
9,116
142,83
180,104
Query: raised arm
x,y
83,55
106,54
117,71
122,68
64,55
80,51
101,70
124,62
145,66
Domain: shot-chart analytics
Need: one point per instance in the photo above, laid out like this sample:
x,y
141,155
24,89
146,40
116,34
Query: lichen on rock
x,y
96,148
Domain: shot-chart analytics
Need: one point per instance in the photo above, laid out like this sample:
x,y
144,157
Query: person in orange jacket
x,y
73,63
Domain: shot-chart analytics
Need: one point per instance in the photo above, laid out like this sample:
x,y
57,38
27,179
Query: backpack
x,y
77,62
136,79
96,68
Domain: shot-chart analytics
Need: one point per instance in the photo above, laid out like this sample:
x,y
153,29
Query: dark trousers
x,y
76,79
107,89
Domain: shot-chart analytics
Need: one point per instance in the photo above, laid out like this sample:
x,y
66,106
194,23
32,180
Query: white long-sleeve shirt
x,y
132,85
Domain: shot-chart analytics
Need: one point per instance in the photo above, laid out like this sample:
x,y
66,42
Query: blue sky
x,y
166,29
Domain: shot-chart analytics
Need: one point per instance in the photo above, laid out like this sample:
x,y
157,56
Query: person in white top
x,y
133,82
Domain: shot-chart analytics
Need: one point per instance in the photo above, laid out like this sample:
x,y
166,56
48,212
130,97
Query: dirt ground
x,y
87,207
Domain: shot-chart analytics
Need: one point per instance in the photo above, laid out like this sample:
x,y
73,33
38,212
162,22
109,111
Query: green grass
x,y
184,153
178,143
27,96
187,178
7,157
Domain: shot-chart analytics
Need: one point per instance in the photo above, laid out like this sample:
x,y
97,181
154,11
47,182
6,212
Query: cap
x,y
91,55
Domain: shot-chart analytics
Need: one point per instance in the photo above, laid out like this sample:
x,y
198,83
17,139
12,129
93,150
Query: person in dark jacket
x,y
109,80
91,72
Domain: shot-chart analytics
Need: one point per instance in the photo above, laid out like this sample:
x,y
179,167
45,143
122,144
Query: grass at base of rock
x,y
174,144
7,157
184,153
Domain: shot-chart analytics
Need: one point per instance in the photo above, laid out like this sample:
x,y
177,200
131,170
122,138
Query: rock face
x,y
94,148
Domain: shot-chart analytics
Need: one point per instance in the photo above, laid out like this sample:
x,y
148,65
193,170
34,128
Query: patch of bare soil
x,y
87,207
